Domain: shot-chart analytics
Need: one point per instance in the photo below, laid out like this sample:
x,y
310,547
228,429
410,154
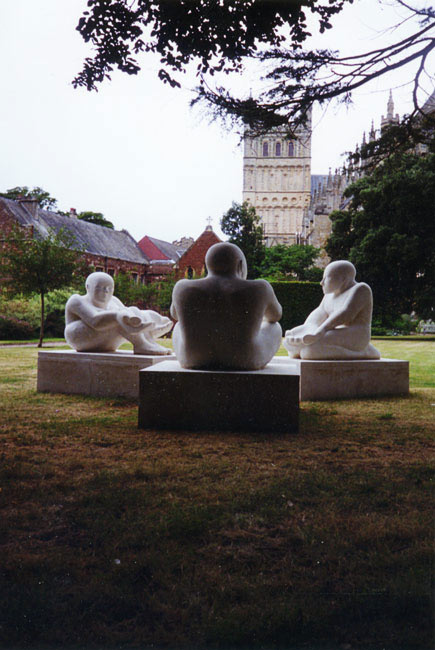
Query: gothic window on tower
x,y
291,149
278,149
265,148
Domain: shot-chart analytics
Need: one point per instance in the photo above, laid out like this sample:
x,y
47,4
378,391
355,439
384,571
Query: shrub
x,y
16,311
298,299
14,329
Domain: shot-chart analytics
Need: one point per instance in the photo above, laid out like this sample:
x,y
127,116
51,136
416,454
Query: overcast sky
x,y
134,150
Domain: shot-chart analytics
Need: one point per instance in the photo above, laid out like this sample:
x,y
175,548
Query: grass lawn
x,y
112,537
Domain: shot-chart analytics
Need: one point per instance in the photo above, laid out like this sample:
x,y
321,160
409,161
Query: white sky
x,y
134,150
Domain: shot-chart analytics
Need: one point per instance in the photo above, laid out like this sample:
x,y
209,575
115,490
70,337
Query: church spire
x,y
390,108
390,118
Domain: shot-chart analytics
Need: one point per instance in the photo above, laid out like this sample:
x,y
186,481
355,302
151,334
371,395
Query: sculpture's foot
x,y
321,352
293,350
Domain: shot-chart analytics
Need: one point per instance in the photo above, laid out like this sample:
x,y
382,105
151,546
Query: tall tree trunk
x,y
41,329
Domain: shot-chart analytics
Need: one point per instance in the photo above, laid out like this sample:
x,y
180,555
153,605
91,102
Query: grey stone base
x,y
329,380
102,374
171,397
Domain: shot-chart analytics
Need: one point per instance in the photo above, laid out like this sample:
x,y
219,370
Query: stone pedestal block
x,y
172,397
329,380
102,374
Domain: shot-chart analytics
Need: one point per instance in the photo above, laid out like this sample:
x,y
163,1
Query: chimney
x,y
73,213
31,205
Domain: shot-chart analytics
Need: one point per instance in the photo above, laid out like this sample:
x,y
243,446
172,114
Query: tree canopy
x,y
221,35
242,226
388,232
45,200
293,262
95,217
35,265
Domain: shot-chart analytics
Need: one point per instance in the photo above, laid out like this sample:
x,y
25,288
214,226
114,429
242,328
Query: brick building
x,y
162,255
192,262
112,251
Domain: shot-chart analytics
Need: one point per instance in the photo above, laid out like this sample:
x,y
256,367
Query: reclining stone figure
x,y
226,322
99,322
340,327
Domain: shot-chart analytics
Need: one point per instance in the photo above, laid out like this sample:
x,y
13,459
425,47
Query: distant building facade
x,y
185,258
277,182
294,205
327,190
192,262
162,255
104,249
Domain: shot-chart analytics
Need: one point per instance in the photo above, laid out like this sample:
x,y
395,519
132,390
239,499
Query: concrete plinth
x,y
171,397
102,374
328,380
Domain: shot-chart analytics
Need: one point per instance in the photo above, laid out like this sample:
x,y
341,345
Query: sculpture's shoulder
x,y
74,300
183,286
362,289
261,286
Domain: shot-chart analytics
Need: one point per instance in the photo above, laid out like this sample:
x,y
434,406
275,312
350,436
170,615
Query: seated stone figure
x,y
99,322
340,327
226,322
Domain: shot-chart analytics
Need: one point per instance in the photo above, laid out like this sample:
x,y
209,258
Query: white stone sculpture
x,y
226,322
99,322
340,327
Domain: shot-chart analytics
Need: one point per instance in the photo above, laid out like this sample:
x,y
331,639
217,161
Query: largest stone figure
x,y
226,322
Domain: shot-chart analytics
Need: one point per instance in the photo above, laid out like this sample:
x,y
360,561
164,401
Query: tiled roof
x,y
98,240
157,249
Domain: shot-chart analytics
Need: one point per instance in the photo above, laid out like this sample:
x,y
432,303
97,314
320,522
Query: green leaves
x,y
242,225
388,232
291,262
45,201
31,265
95,217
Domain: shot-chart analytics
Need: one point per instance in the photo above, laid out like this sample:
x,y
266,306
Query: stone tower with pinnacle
x,y
277,182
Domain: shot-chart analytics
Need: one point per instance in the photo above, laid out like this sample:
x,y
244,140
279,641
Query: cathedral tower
x,y
277,182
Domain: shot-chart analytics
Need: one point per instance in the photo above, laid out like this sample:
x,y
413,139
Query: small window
x,y
189,272
291,149
265,148
134,277
111,272
99,269
278,149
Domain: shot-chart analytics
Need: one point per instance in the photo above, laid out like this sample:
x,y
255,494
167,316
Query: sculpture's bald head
x,y
226,259
100,287
338,276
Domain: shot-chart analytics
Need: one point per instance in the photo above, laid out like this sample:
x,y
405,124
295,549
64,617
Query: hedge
x,y
298,299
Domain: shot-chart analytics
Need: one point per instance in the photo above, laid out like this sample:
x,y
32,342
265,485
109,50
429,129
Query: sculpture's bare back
x,y
225,320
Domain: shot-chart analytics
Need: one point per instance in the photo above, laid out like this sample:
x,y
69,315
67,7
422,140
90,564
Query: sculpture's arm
x,y
175,298
317,316
273,311
358,299
80,309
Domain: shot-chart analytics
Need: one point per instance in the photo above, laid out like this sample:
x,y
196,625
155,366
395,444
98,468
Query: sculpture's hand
x,y
132,323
